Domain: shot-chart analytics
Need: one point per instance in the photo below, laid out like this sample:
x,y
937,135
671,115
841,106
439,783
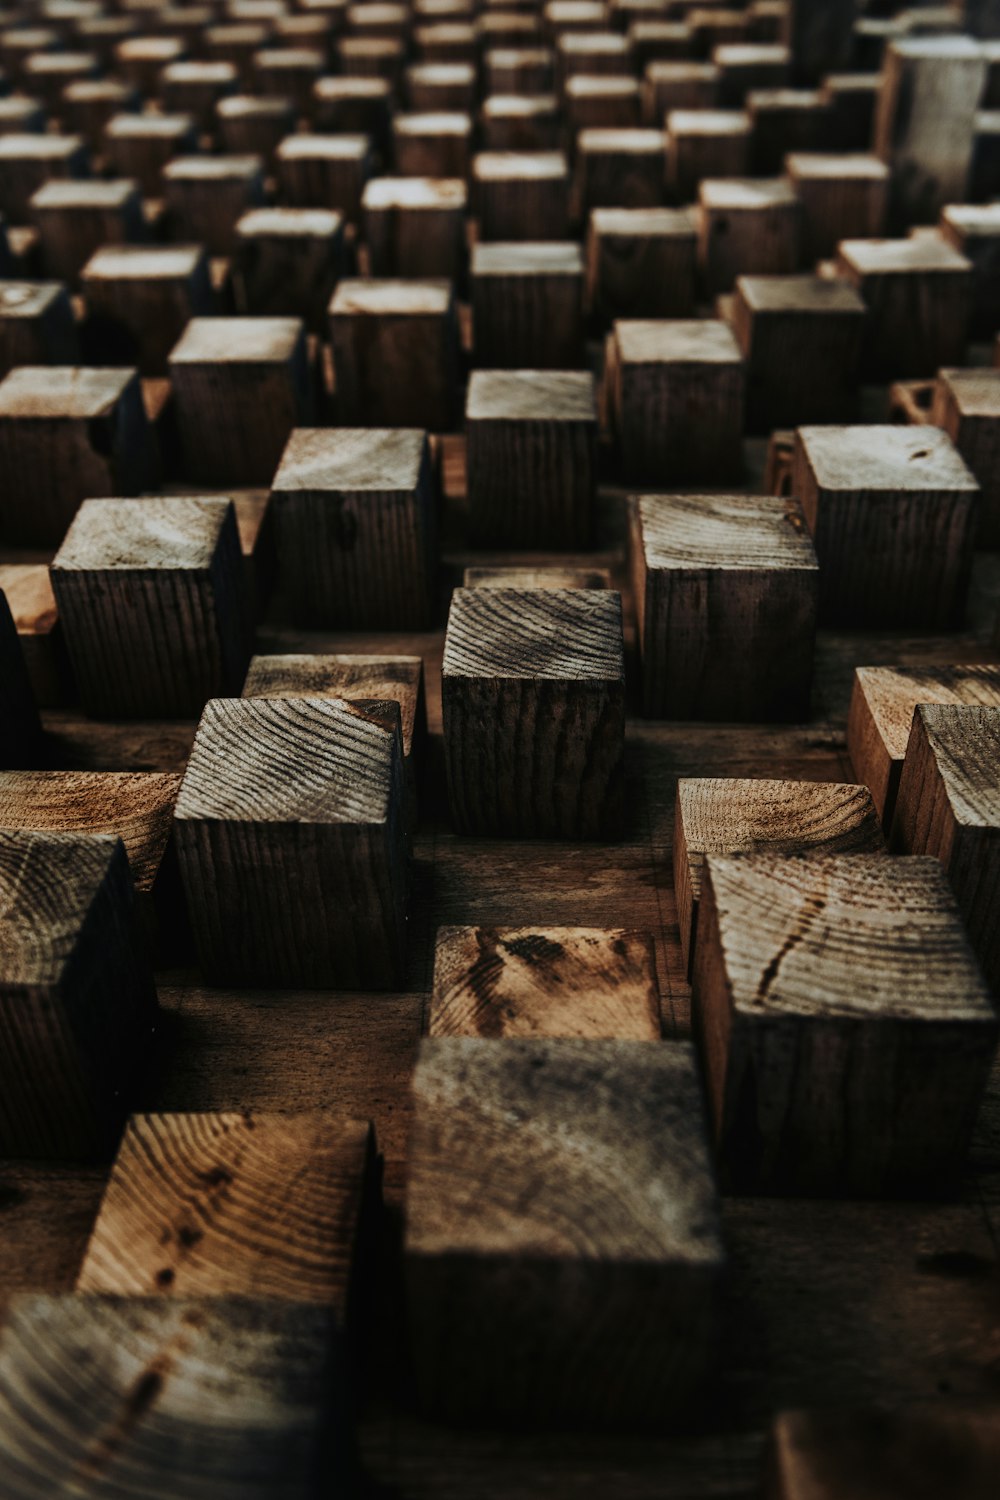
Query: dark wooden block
x,y
141,145
36,621
432,87
893,512
641,263
437,144
598,54
782,121
527,306
519,70
140,298
395,353
141,59
325,171
620,168
750,226
974,231
745,66
530,443
596,103
74,219
36,325
29,160
843,196
415,226
207,195
561,1223
151,602
308,790
726,589
851,100
919,295
287,263
521,195
288,73
967,405
20,115
195,88
846,1028
679,85
534,712
251,126
88,104
20,729
819,34
521,122
705,143
356,105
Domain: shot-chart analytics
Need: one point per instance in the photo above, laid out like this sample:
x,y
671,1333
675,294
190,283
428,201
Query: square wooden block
x,y
737,815
527,306
150,595
287,263
76,993
533,695
395,353
67,432
750,65
749,226
521,122
844,196
530,444
240,386
595,103
974,231
641,263
325,171
308,790
140,298
435,86
893,512
415,226
783,120
206,196
435,144
967,406
28,160
251,126
356,527
505,982
705,143
141,145
679,85
521,195
846,1028
620,168
20,727
561,1222
919,297
37,326
676,392
726,590
74,219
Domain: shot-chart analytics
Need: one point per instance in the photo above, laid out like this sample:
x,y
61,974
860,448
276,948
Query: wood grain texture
x,y
539,576
620,168
749,226
967,405
844,196
74,219
705,143
141,145
521,195
503,982
139,299
324,171
287,262
641,263
395,353
533,701
36,325
739,815
846,1028
20,727
527,306
415,226
206,196
562,1245
306,790
919,297
974,231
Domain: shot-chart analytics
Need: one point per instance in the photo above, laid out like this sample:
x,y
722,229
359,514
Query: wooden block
x,y
140,60
784,120
716,27
140,298
325,171
527,306
415,226
20,115
845,1026
538,576
195,88
437,144
519,70
521,122
893,512
222,1399
20,729
250,126
620,168
819,35
89,103
236,42
358,106
287,263
372,57
967,405
656,40
46,74
150,598
801,337
641,263
308,790
79,1008
705,143
67,432
677,389
507,27
27,161
745,66
850,100
76,218
974,231
596,53
534,712
435,86
597,103
925,122
750,226
355,520
378,19
240,386
207,195
679,85
919,296
395,353
521,195
33,609
288,73
234,1204
36,325
530,441
447,41
736,815
140,146
843,197
503,982
561,1222
726,590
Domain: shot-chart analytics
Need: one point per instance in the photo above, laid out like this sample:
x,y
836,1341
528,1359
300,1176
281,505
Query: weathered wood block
x,y
530,441
395,353
726,590
308,790
533,692
801,337
359,106
677,390
737,815
705,143
527,306
355,520
561,1222
67,432
819,36
974,231
519,70
432,87
250,126
679,85
89,103
236,42
195,88
782,121
74,219
29,160
716,26
79,1008
240,386
415,226
599,54
151,603
521,195
596,103
37,326
521,122
140,298
850,99
919,296
749,226
503,982
655,40
325,171
234,1204
846,1029
140,146
20,115
288,73
287,263
20,729
746,66
46,74
967,405
372,57
207,195
843,196
437,144
641,263
620,168
206,1398
448,41
536,576
893,512
141,59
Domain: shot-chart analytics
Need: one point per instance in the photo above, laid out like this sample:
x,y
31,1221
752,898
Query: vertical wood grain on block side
x,y
20,727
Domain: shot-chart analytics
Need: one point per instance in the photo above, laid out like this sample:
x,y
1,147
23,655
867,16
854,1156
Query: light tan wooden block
x,y
705,143
37,326
207,195
395,353
967,405
620,168
29,160
521,195
919,297
141,145
438,144
641,263
527,305
415,226
748,227
140,298
844,196
325,171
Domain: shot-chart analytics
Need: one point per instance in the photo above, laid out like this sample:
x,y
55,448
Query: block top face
x,y
559,635
416,192
143,263
973,218
629,140
290,223
823,165
733,194
212,168
388,296
531,396
883,257
600,86
708,122
199,72
325,147
976,392
36,147
965,742
174,533
739,532
67,391
145,127
28,299
215,341
892,694
289,760
760,101
623,1120
685,341
659,223
538,258
520,166
338,460
800,295
852,937
434,122
48,883
884,458
750,54
937,48
87,192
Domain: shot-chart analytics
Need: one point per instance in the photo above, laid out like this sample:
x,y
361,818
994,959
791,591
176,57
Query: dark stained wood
x,y
140,297
20,729
527,306
641,263
919,296
36,325
395,353
415,226
749,226
967,405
